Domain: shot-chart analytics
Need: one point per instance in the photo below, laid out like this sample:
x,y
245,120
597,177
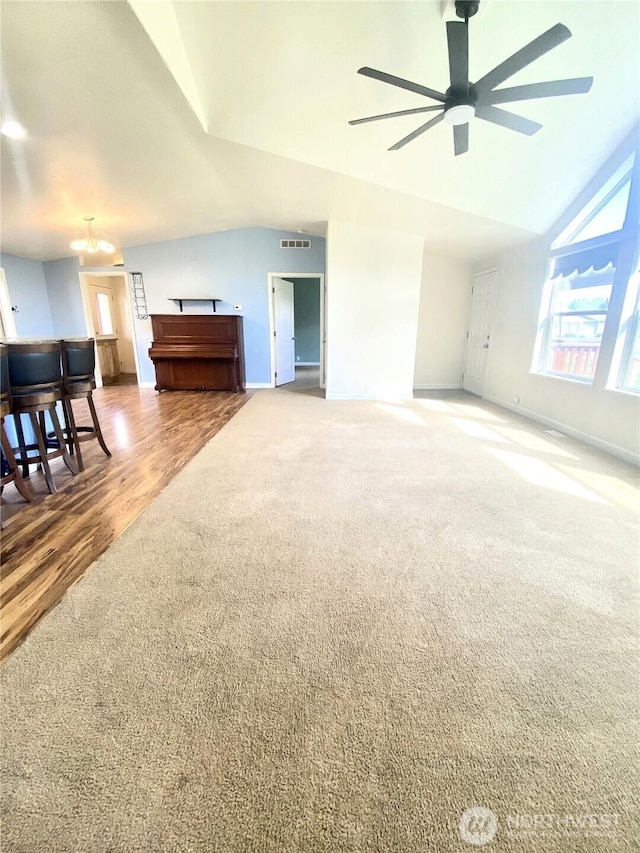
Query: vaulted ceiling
x,y
165,119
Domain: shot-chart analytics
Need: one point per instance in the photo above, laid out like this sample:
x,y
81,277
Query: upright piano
x,y
197,352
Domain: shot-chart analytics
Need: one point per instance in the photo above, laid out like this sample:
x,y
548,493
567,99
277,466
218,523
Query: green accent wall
x,y
306,307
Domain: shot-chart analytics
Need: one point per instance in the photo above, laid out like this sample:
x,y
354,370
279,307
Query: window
x,y
580,301
588,277
605,213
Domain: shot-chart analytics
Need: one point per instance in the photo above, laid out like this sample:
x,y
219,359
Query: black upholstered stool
x,y
10,465
78,378
35,379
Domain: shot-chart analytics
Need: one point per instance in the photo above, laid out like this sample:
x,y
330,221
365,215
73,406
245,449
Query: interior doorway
x,y
484,291
109,319
297,311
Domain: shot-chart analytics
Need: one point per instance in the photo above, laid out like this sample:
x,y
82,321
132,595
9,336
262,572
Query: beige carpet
x,y
340,627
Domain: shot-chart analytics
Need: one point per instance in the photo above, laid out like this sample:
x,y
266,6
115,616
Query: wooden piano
x,y
197,352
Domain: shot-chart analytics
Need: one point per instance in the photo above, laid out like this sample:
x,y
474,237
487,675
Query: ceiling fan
x,y
463,100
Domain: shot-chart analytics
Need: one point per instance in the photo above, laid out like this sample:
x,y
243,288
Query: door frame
x,y
88,320
497,269
272,323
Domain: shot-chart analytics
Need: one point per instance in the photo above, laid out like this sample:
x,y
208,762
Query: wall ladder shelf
x,y
139,297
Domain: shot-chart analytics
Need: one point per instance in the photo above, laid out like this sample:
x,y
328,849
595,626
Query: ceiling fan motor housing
x,y
467,8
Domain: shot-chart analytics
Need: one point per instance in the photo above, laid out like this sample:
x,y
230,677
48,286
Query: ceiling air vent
x,y
295,244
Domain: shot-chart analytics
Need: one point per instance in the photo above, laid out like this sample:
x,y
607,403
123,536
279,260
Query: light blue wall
x,y
65,298
28,291
306,306
229,265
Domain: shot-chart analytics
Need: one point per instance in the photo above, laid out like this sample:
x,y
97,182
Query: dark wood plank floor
x,y
48,547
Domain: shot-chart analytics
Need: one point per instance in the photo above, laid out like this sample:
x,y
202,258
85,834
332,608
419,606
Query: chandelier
x,y
92,242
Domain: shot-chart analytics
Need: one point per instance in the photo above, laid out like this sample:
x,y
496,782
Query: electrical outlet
x,y
237,307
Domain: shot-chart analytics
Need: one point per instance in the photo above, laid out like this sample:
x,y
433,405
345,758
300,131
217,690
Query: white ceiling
x,y
189,117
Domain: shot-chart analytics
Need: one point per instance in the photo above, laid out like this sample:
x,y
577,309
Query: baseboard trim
x,y
594,441
437,387
146,384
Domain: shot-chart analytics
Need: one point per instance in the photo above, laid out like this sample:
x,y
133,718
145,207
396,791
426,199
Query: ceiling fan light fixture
x,y
91,242
459,114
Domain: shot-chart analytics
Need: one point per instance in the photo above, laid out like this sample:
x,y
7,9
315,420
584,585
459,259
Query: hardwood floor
x,y
46,548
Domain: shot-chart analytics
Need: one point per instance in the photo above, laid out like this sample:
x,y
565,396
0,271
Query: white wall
x,y
442,324
609,419
373,296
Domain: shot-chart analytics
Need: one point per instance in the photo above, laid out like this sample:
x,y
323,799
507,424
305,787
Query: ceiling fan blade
x,y
394,115
513,122
458,42
552,89
460,138
525,56
402,84
417,132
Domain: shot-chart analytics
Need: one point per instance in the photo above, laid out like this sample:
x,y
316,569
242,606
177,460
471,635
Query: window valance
x,y
596,258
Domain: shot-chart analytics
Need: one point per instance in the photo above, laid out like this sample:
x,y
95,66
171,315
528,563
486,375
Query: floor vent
x,y
295,244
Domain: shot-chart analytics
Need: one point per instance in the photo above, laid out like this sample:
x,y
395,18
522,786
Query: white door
x,y
284,331
7,321
483,301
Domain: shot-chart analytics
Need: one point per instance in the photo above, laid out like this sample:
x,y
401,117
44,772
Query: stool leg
x,y
58,431
40,432
22,485
96,424
67,429
72,431
21,445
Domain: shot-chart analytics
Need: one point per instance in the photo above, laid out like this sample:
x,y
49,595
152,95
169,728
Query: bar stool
x,y
78,377
35,380
13,474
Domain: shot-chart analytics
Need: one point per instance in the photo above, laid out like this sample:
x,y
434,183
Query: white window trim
x,y
627,330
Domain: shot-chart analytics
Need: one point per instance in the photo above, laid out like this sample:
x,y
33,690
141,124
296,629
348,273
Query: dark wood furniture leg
x,y
14,476
96,425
